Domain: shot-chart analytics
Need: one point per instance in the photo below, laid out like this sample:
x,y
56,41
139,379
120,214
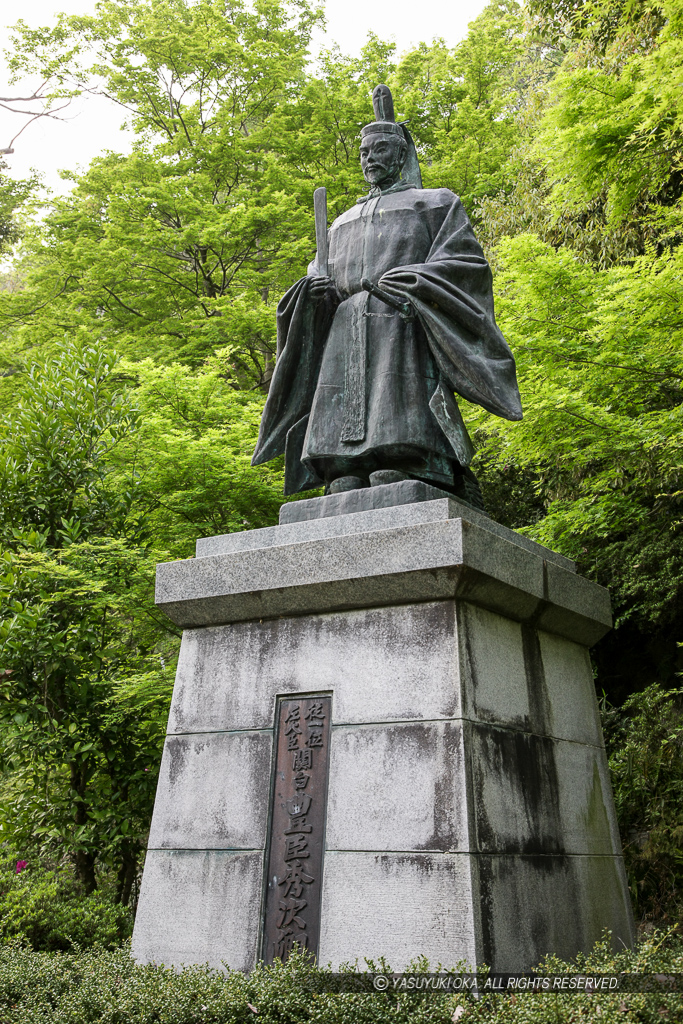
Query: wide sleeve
x,y
302,326
452,294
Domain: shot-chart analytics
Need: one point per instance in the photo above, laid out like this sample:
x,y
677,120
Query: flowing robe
x,y
358,387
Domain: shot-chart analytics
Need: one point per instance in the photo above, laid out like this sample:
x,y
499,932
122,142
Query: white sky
x,y
93,123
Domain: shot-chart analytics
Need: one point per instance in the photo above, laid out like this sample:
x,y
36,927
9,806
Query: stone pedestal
x,y
469,813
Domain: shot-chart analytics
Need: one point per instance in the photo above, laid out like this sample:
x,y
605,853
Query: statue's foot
x,y
387,476
346,483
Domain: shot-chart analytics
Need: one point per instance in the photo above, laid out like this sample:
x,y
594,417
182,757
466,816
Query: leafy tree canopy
x,y
559,125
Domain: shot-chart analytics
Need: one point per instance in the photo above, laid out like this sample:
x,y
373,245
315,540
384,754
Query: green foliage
x,y
76,622
524,206
613,127
48,910
88,479
597,165
644,740
184,247
191,455
108,988
560,126
462,103
588,295
69,417
161,248
316,132
13,195
601,372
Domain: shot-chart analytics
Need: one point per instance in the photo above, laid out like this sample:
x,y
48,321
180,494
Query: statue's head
x,y
382,157
384,144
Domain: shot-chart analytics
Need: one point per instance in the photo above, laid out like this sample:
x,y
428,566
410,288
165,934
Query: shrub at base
x,y
103,987
48,911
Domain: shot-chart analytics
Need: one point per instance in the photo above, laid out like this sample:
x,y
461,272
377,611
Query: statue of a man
x,y
371,350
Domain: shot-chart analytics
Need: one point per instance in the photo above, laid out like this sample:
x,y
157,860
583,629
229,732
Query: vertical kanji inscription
x,y
297,832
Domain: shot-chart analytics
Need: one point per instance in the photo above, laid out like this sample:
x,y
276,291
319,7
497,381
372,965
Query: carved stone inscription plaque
x,y
297,831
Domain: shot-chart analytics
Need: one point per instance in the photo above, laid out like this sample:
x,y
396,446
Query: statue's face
x,y
381,158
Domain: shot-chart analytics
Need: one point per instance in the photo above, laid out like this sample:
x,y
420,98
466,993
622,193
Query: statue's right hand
x,y
323,288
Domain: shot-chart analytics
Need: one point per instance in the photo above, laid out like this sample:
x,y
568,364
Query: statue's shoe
x,y
346,483
387,476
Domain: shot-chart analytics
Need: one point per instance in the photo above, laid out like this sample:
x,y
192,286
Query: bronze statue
x,y
394,316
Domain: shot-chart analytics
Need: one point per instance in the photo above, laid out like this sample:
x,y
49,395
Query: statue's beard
x,y
382,176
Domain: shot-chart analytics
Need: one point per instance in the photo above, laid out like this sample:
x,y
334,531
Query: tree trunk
x,y
85,870
126,877
83,860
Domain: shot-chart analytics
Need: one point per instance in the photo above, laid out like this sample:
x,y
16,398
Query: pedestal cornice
x,y
425,561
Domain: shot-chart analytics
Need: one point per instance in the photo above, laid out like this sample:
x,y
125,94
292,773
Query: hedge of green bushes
x,y
98,986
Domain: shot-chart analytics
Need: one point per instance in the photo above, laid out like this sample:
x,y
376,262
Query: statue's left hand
x,y
324,288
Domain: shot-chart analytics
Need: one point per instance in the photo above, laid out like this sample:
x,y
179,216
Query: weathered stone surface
x,y
536,795
572,705
571,598
199,907
398,787
524,678
382,664
295,530
559,903
424,562
399,904
227,774
492,663
469,813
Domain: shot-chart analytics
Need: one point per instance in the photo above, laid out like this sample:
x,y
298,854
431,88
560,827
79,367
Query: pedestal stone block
x,y
468,811
415,901
200,906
